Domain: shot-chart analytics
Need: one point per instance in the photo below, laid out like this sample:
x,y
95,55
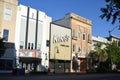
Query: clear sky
x,y
89,9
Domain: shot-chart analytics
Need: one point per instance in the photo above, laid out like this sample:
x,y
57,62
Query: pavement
x,y
69,76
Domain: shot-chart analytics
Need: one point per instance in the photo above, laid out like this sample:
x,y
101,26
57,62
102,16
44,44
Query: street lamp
x,y
110,45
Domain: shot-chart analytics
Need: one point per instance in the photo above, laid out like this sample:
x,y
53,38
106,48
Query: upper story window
x,y
88,49
79,34
32,46
21,44
39,47
7,14
73,32
118,43
5,34
74,47
79,48
83,36
28,45
84,50
47,43
89,38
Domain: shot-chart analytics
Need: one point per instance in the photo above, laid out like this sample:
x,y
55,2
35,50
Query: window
x,y
28,45
7,15
6,64
78,34
73,47
84,36
32,45
79,48
84,49
73,32
47,43
38,47
88,49
5,34
89,37
118,43
21,44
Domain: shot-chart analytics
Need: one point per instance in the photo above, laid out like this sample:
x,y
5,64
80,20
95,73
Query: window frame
x,y
6,34
7,14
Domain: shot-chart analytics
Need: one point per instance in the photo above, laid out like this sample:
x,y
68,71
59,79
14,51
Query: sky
x,y
89,9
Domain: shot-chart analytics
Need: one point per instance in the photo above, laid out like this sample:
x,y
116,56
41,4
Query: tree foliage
x,y
111,11
99,55
2,47
115,52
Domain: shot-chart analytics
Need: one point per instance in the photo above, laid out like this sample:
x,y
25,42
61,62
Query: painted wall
x,y
60,42
42,32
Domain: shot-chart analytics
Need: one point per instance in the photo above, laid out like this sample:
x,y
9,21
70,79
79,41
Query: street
x,y
98,76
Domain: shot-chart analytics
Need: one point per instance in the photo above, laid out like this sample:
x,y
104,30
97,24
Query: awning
x,y
29,59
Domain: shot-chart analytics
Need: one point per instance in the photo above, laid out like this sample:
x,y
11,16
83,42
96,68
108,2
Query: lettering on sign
x,y
58,39
26,54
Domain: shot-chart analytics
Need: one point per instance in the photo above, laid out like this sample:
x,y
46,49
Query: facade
x,y
8,10
81,38
60,49
114,38
98,39
32,39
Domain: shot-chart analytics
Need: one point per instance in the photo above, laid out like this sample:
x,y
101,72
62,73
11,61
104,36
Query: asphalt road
x,y
100,76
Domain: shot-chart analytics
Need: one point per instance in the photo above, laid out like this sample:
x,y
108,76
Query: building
x,y
32,39
60,49
98,39
81,38
8,11
114,38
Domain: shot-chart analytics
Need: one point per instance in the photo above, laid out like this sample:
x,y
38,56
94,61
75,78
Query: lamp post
x,y
110,46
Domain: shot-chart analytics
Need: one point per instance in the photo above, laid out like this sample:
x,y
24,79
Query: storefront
x,y
29,60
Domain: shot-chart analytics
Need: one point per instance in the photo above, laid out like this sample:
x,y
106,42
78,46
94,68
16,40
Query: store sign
x,y
58,39
60,42
26,54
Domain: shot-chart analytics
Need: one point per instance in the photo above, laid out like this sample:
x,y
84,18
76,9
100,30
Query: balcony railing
x,y
74,37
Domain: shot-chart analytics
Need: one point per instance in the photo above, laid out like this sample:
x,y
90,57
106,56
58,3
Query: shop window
x,y
6,64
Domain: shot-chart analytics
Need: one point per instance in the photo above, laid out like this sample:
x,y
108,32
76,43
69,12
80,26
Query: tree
x,y
111,11
99,55
2,47
115,52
